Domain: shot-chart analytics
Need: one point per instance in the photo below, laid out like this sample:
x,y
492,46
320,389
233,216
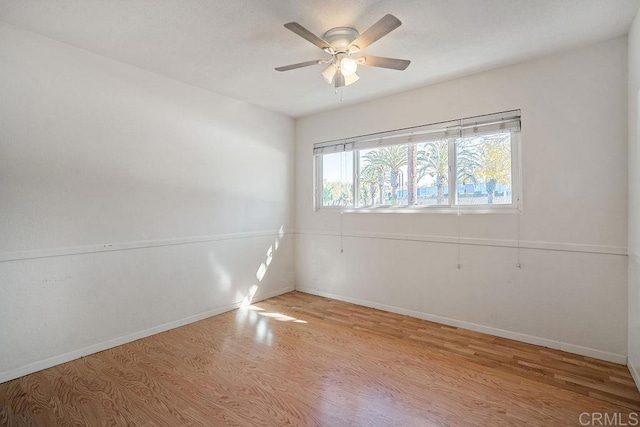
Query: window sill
x,y
501,209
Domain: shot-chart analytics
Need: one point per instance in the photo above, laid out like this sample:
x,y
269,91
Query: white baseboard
x,y
105,345
634,373
530,339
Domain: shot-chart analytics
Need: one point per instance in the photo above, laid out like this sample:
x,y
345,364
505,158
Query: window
x,y
469,163
483,170
337,179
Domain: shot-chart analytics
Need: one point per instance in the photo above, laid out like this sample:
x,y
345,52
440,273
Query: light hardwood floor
x,y
299,359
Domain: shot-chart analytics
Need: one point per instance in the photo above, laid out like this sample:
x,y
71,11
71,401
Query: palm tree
x,y
369,182
376,174
468,161
412,174
433,160
387,160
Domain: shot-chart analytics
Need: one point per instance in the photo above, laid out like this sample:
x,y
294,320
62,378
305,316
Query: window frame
x,y
515,206
318,180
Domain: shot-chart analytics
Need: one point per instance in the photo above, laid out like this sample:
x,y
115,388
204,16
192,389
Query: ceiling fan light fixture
x,y
348,66
329,73
348,80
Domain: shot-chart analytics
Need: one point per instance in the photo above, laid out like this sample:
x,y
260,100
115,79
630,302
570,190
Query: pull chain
x,y
343,173
518,237
459,264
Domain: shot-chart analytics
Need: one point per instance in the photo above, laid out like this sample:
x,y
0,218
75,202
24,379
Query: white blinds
x,y
479,125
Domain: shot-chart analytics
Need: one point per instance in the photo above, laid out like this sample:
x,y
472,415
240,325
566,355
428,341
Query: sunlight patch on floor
x,y
270,314
281,317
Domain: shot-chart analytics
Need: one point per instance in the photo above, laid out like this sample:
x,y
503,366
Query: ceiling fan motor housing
x,y
340,38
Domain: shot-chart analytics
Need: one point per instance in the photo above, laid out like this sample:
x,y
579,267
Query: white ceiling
x,y
232,46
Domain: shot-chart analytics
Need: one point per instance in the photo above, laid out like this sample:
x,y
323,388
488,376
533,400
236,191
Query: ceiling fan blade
x,y
378,30
299,65
339,79
382,62
308,35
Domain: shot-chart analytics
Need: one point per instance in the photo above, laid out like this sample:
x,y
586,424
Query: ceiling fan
x,y
344,45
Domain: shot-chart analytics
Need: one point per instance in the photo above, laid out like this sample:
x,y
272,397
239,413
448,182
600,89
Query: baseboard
x,y
634,373
530,339
105,345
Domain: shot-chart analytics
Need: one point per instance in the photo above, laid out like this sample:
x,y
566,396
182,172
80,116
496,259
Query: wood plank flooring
x,y
299,359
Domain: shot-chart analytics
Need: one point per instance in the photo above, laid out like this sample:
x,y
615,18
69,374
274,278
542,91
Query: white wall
x,y
634,200
129,203
571,291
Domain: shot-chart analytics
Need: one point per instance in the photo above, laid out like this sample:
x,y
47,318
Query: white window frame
x,y
516,205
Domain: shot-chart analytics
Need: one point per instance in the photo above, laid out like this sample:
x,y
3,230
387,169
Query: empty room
x,y
336,213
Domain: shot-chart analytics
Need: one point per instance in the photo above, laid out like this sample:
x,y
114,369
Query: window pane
x,y
483,170
433,173
337,179
383,176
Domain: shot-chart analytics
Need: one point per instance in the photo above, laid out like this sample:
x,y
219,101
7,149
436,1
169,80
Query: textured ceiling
x,y
231,47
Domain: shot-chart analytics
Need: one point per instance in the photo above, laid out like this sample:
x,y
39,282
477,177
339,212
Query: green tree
x,y
488,158
337,193
496,163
